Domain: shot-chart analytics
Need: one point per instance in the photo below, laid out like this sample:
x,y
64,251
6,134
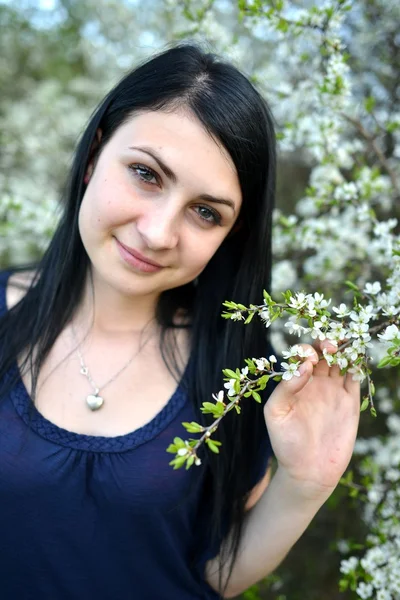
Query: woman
x,y
115,338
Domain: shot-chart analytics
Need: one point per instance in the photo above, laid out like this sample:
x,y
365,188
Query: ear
x,y
93,156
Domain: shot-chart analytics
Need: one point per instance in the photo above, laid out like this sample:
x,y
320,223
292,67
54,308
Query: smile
x,y
136,260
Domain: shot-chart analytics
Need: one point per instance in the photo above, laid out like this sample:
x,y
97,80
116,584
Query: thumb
x,y
296,384
282,398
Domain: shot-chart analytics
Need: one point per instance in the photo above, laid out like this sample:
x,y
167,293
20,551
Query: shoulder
x,y
17,285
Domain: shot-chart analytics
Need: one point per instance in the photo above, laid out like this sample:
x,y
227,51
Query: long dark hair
x,y
234,113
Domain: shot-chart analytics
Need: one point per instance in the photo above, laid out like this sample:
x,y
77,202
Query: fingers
x,y
334,371
351,386
305,351
331,346
323,368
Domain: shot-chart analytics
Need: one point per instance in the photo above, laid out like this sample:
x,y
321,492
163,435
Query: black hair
x,y
233,112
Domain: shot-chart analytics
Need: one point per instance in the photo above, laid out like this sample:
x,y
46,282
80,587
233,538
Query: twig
x,y
372,142
211,428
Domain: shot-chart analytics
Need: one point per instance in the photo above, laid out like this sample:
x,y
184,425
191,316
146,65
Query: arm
x,y
259,489
312,425
270,530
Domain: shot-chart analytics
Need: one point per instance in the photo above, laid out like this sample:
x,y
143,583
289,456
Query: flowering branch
x,y
239,386
308,314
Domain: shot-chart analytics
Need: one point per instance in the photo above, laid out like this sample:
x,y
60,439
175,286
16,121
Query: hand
x,y
312,422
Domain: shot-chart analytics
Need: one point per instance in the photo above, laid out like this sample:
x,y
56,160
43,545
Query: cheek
x,y
104,207
201,251
90,217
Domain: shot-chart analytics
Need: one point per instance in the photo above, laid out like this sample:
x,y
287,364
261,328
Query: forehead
x,y
185,146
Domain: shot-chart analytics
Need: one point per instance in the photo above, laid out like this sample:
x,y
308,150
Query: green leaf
x,y
249,318
189,462
282,25
172,449
392,126
178,462
266,296
193,427
207,407
256,396
230,304
373,411
231,374
384,362
364,404
369,104
219,409
179,443
212,445
262,382
287,295
352,285
226,315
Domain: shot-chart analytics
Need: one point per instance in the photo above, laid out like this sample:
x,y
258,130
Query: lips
x,y
140,256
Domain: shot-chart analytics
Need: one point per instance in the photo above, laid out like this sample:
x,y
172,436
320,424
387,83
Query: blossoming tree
x,y
330,72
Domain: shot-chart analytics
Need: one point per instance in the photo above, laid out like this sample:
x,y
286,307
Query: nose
x,y
158,226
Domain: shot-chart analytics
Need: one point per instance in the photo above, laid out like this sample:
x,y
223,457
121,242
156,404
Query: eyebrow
x,y
172,176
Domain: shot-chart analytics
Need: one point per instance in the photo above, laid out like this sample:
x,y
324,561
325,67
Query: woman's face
x,y
163,191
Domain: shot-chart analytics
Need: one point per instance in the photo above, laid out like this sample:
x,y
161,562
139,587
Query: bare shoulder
x,y
17,286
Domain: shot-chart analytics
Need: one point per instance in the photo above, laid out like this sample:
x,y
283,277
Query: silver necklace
x,y
94,401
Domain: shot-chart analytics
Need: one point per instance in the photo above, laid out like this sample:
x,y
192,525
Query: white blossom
x,y
230,386
298,301
383,594
364,590
341,311
296,328
265,317
219,397
297,350
348,564
262,364
391,333
237,316
290,370
357,373
372,288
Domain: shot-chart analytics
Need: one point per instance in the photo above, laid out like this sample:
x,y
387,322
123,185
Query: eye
x,y
209,215
144,174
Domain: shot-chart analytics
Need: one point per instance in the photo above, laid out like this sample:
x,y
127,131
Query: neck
x,y
111,312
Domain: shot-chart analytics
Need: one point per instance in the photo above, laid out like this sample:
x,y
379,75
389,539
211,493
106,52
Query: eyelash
x,y
136,168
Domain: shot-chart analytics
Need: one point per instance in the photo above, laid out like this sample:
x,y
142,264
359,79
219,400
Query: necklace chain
x,y
95,401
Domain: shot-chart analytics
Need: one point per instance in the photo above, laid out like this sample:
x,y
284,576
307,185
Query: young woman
x,y
115,338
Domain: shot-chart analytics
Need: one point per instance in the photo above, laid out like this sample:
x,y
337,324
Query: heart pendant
x,y
94,402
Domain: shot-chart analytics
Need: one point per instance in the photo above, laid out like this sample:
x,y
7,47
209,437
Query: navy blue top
x,y
97,518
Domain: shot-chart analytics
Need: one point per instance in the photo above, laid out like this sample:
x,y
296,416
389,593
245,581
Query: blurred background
x,y
57,60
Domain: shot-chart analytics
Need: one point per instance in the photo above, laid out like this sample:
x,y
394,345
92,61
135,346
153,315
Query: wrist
x,y
302,490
